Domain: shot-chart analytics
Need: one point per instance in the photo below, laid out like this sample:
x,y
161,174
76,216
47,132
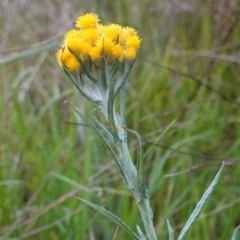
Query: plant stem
x,y
146,214
130,174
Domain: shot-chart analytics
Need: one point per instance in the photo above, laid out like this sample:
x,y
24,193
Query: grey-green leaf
x,y
140,233
140,173
236,233
110,216
192,219
170,231
101,137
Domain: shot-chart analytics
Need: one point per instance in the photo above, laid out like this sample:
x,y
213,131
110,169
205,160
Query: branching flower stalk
x,y
98,59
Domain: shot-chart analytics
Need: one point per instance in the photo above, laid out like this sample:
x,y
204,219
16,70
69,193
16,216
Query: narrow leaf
x,y
110,216
140,233
104,141
170,231
105,74
140,173
123,78
122,102
88,86
200,205
236,233
106,131
111,109
83,66
90,98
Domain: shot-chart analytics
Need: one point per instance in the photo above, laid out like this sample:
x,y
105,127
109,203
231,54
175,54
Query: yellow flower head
x,y
95,54
72,40
126,33
131,31
84,48
86,21
112,31
91,35
91,41
130,54
101,28
133,41
72,64
117,52
104,44
68,60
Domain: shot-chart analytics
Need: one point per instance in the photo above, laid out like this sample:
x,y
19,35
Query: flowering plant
x,y
93,54
98,58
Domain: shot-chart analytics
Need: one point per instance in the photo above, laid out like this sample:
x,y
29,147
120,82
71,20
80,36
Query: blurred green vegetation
x,y
187,75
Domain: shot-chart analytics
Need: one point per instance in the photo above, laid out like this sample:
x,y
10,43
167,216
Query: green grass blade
x,y
170,231
70,182
11,182
235,233
200,205
29,52
110,216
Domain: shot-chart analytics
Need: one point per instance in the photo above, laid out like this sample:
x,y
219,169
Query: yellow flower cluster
x,y
91,41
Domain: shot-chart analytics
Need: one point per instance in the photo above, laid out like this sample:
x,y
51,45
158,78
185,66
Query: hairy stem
x,y
130,174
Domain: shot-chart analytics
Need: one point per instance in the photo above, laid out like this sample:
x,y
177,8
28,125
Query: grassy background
x,y
187,75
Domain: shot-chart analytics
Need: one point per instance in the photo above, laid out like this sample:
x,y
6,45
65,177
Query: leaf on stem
x,y
87,96
111,109
170,231
140,173
123,78
101,137
195,214
111,217
140,233
236,233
